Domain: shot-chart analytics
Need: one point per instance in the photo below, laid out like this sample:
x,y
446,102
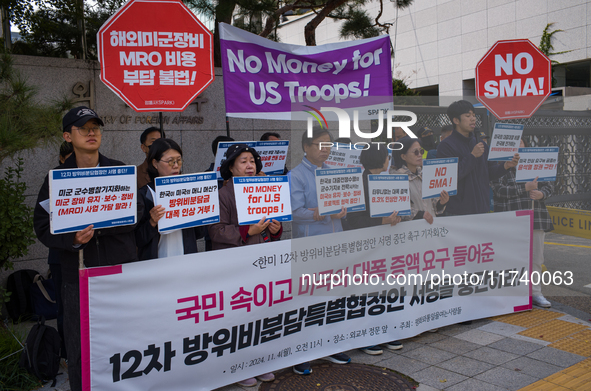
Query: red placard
x,y
156,55
513,79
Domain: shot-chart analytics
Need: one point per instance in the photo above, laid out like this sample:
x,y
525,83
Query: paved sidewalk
x,y
532,350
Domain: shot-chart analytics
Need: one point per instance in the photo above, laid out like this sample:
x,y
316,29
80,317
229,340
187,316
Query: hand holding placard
x,y
156,213
82,237
512,163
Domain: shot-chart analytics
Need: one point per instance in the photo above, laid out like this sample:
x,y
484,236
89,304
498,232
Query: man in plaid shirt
x,y
510,195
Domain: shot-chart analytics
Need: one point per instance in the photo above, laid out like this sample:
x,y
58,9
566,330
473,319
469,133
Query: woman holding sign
x,y
410,160
241,161
164,158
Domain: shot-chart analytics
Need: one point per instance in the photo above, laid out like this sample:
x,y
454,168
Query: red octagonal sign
x,y
513,79
156,55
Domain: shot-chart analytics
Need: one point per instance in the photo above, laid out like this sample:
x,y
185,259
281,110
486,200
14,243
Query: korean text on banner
x,y
439,175
344,156
338,188
262,196
235,313
273,155
266,79
505,141
189,200
541,162
388,193
104,197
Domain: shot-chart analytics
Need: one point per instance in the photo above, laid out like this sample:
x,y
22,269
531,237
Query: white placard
x,y
505,141
541,162
337,188
273,155
388,193
344,156
262,196
190,200
439,175
102,196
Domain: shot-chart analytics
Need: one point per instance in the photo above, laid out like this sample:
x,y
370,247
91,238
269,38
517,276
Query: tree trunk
x,y
310,29
223,13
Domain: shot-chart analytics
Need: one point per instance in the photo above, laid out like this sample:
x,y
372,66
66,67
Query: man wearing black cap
x,y
112,246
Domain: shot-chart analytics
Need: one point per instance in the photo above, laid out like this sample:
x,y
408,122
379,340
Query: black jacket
x,y
108,246
148,237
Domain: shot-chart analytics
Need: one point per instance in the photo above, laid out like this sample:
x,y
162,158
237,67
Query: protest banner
x,y
541,162
439,175
337,188
388,193
505,141
104,197
227,315
273,155
344,156
262,196
190,200
266,79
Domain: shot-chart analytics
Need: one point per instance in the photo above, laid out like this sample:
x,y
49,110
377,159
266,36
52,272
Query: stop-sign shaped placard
x,y
513,79
156,55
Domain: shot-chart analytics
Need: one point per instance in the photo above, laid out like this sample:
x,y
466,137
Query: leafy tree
x,y
547,47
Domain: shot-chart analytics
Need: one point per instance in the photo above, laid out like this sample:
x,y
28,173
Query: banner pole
x,y
227,126
160,119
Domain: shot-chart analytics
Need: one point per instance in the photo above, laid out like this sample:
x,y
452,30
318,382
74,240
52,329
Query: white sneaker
x,y
541,301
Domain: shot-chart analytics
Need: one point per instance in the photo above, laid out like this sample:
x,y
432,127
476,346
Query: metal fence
x,y
568,130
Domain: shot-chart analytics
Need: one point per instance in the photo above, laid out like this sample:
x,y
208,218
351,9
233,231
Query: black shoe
x,y
339,358
302,369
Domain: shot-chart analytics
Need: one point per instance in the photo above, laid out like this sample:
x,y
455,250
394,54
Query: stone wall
x,y
194,128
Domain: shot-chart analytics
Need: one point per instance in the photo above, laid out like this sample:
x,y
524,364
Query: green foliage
x,y
16,231
23,121
547,47
13,377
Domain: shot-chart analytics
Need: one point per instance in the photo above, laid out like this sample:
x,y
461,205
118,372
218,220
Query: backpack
x,y
41,355
43,297
19,306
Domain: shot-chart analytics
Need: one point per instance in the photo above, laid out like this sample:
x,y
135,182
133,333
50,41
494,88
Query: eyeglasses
x,y
85,131
418,152
172,162
322,147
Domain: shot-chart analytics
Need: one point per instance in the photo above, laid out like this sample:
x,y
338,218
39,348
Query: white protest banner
x,y
541,162
101,196
505,141
262,196
273,155
337,188
190,200
235,313
388,193
439,175
344,156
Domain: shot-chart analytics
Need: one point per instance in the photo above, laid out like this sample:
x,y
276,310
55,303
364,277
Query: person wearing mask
x,y
165,158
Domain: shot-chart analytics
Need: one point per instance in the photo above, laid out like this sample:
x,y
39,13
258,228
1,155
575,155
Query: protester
x,y
410,160
445,132
108,246
165,158
474,170
307,221
241,160
270,136
428,142
510,195
484,137
147,137
304,203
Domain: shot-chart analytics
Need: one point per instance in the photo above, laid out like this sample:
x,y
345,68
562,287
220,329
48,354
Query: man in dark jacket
x,y
474,170
102,247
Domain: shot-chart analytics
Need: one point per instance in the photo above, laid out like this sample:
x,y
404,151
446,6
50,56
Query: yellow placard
x,y
572,222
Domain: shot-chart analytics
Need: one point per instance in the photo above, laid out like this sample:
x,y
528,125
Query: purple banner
x,y
266,79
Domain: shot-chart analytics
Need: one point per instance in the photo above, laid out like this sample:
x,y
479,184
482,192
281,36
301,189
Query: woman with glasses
x,y
164,159
410,160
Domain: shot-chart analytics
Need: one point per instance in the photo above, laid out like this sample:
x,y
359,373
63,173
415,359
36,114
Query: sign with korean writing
x,y
242,315
338,188
262,196
344,156
439,175
541,162
273,155
190,200
505,141
155,55
103,196
513,79
266,79
388,193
